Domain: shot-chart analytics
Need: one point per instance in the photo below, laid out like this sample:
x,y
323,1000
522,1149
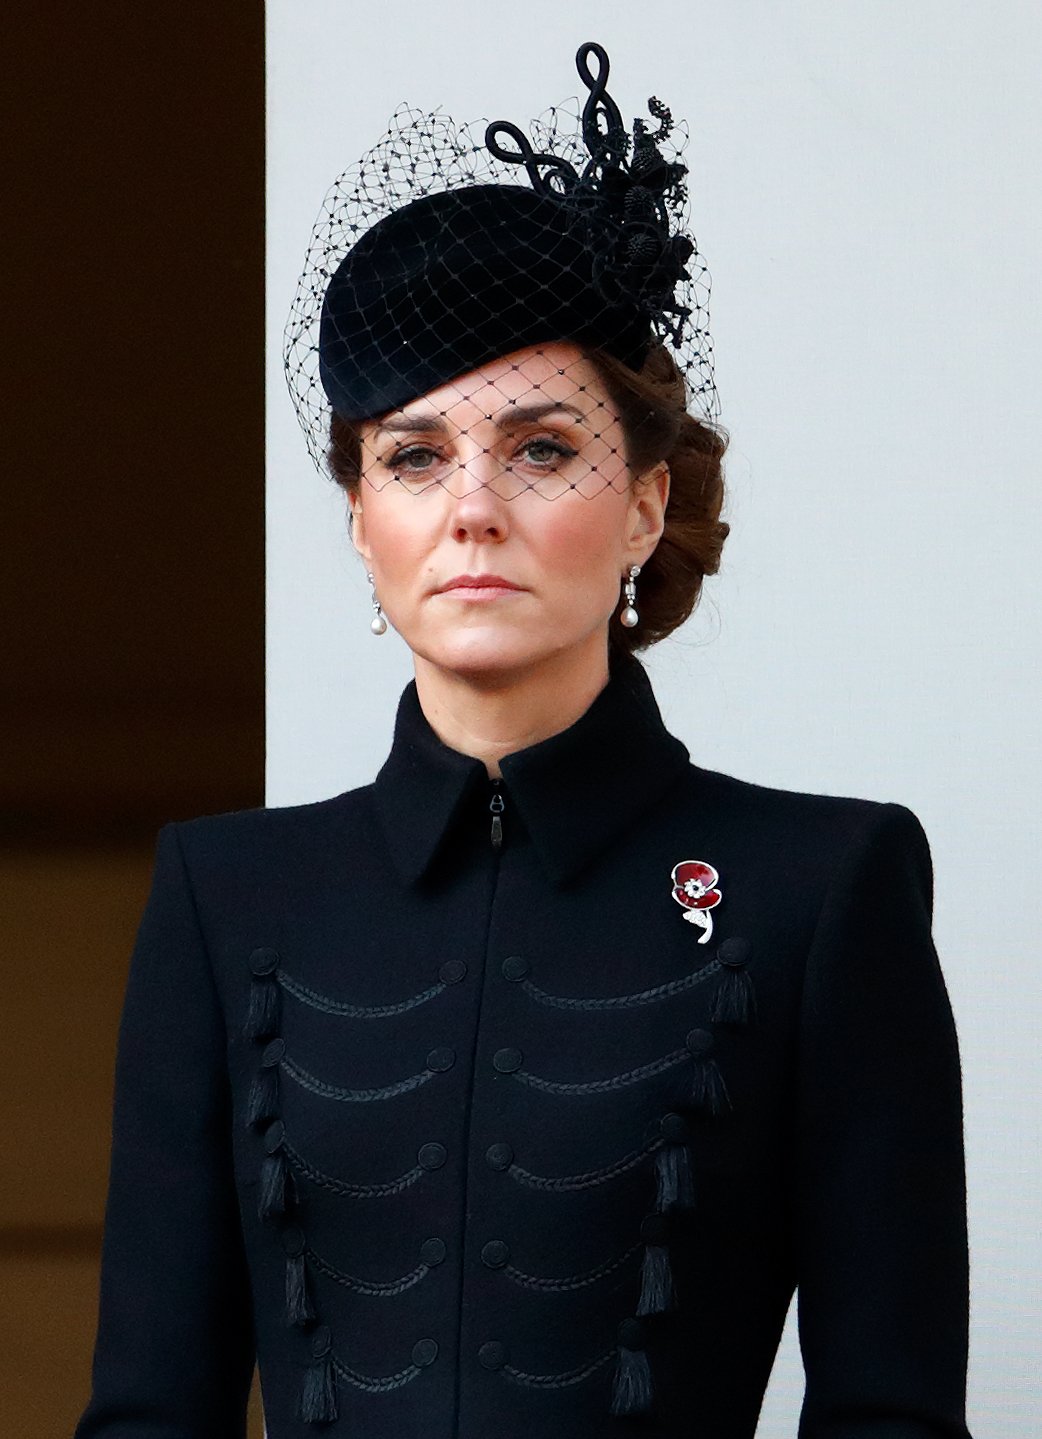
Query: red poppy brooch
x,y
694,887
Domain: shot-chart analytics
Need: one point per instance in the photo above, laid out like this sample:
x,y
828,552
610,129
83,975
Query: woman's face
x,y
470,480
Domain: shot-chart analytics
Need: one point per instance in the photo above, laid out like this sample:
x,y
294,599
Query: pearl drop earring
x,y
629,616
378,624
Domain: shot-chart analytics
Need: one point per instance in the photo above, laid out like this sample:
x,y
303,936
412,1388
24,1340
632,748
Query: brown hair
x,y
656,426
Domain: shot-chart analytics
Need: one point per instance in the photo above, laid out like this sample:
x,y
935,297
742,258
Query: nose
x,y
477,509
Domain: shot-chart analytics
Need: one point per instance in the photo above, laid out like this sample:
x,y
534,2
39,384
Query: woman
x,y
514,1093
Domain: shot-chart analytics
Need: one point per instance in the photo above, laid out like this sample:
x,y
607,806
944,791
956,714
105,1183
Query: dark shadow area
x,y
133,579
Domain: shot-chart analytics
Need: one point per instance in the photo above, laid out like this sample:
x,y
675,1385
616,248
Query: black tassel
x,y
272,1199
274,1179
262,1015
675,1183
656,1282
708,1090
263,1101
735,1002
631,1386
299,1309
318,1396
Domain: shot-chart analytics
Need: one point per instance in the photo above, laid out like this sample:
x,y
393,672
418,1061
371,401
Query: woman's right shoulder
x,y
269,835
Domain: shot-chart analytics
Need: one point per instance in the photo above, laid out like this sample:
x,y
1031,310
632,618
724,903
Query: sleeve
x,y
883,1270
174,1352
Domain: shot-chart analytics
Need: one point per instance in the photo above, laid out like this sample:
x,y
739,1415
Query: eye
x,y
556,449
403,459
418,461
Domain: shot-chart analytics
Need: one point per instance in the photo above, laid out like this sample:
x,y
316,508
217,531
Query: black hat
x,y
462,265
455,279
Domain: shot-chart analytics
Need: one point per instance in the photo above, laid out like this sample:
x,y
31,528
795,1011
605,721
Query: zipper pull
x,y
496,805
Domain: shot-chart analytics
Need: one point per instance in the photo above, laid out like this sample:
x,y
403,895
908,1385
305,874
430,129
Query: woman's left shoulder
x,y
800,825
780,854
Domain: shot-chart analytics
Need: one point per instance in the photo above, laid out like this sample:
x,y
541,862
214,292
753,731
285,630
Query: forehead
x,y
553,371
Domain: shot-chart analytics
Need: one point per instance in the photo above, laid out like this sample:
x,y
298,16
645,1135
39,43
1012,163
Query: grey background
x,y
865,189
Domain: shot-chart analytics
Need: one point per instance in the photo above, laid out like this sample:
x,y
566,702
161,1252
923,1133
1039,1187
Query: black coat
x,y
477,1110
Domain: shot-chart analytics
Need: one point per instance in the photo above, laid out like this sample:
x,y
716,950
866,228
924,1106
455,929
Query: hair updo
x,y
656,426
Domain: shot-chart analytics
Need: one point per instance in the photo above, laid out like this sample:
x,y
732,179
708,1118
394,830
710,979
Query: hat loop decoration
x,y
627,201
526,156
429,259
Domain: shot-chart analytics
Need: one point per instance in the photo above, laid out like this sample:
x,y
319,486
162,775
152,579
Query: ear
x,y
357,525
647,512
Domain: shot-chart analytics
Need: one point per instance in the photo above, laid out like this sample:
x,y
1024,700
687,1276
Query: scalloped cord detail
x,y
625,1001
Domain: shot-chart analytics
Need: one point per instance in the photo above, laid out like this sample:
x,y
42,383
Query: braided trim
x,y
328,1005
557,1381
353,1096
343,1186
368,1286
374,1383
601,1086
590,1178
571,1281
624,1001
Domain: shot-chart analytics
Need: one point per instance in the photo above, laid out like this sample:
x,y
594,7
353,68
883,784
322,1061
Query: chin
x,y
487,652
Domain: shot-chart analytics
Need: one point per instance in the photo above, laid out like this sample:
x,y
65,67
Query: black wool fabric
x,y
455,279
466,1140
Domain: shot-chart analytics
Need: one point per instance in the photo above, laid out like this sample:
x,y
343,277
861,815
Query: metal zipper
x,y
496,805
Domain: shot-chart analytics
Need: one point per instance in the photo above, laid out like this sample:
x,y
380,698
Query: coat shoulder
x,y
800,819
267,834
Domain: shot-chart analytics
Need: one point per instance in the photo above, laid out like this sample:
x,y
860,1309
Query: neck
x,y
490,714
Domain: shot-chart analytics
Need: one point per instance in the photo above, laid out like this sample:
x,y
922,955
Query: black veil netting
x,y
429,258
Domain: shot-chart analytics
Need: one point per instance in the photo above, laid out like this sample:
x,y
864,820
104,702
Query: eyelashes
x,y
400,460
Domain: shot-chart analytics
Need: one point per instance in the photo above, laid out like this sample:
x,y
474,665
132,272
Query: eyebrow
x,y
511,417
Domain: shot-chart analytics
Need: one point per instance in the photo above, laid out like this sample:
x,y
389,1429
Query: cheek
x,y
581,545
399,537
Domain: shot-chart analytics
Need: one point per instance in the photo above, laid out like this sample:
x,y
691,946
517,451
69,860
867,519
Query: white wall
x,y
866,189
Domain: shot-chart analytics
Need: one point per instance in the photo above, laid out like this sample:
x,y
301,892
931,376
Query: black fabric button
x,y
264,961
499,1156
673,1126
321,1341
515,967
631,1334
699,1041
441,1059
452,971
733,952
507,1060
273,1053
274,1135
654,1229
424,1352
432,1251
293,1241
432,1156
495,1253
492,1354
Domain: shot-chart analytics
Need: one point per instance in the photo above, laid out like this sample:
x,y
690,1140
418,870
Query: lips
x,y
478,582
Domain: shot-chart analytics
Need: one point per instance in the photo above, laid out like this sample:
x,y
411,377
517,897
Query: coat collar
x,y
575,791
